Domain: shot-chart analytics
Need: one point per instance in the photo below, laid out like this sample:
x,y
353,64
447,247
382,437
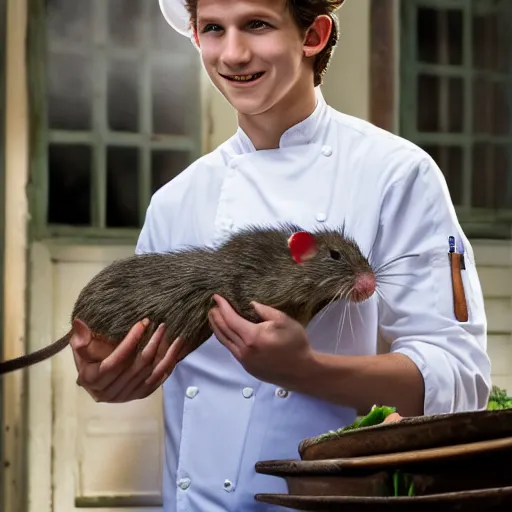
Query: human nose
x,y
236,52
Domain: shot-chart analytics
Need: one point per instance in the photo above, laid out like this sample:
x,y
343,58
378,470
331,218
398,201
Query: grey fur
x,y
176,288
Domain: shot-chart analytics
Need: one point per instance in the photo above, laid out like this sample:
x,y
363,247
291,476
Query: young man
x,y
254,391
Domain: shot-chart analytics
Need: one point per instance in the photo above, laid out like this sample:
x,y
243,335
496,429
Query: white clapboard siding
x,y
496,281
500,352
492,253
499,319
494,264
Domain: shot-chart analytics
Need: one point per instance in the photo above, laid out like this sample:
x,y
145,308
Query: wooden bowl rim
x,y
405,425
382,461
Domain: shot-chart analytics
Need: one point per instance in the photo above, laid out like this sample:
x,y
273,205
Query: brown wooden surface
x,y
382,64
472,501
385,461
459,468
411,434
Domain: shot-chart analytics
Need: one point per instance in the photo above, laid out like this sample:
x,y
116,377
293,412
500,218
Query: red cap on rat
x,y
302,246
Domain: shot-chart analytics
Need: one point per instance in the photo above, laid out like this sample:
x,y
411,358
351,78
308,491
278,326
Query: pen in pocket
x,y
457,264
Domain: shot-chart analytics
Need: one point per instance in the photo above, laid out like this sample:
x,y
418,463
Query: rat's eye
x,y
335,255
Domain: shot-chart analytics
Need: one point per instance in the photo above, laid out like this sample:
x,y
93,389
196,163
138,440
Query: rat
x,y
295,271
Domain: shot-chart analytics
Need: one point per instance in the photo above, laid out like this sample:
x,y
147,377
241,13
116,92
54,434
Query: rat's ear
x,y
302,246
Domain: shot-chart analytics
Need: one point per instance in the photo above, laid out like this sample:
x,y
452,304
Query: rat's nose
x,y
364,287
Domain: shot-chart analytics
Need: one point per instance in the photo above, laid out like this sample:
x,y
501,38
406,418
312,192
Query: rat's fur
x,y
176,288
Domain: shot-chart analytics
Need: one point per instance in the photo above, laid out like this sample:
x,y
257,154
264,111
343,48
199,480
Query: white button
x,y
247,392
321,217
184,483
192,391
228,486
281,393
233,164
327,151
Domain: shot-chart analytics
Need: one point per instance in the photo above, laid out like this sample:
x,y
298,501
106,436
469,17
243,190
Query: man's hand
x,y
276,350
119,373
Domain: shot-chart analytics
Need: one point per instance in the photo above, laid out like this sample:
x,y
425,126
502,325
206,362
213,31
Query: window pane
x,y
175,94
123,98
428,107
69,170
431,117
165,165
455,105
69,21
450,161
492,49
122,187
124,22
69,92
439,36
491,106
491,176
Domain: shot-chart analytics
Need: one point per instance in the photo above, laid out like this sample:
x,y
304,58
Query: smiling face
x,y
254,53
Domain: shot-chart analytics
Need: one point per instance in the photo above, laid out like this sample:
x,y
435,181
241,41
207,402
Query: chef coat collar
x,y
305,132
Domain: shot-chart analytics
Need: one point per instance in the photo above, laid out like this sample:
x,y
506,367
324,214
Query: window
x,y
115,106
456,102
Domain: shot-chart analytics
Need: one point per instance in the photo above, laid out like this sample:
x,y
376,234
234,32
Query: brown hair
x,y
304,12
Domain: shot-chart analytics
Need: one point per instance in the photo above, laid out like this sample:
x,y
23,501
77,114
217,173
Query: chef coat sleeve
x,y
145,243
154,235
416,308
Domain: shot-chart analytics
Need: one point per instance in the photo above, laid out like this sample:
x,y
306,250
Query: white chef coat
x,y
329,169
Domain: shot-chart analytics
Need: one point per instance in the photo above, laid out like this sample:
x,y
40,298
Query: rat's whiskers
x,y
380,268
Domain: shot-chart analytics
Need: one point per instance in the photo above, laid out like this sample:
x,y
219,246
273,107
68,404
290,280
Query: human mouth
x,y
243,78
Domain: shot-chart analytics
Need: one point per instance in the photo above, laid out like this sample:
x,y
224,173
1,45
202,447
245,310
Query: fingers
x,y
231,320
225,335
130,390
267,312
125,349
134,375
96,377
166,366
152,377
150,351
84,347
124,373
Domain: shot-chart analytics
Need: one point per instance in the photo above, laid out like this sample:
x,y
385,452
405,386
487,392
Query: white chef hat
x,y
176,15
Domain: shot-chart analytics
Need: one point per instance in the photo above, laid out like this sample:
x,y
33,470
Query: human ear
x,y
317,35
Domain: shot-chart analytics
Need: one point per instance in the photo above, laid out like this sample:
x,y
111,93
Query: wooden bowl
x,y
458,468
411,434
484,500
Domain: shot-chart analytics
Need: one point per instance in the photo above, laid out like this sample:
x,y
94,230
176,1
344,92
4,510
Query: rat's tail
x,y
35,357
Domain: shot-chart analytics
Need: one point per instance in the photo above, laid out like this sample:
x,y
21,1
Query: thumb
x,y
267,312
82,335
85,346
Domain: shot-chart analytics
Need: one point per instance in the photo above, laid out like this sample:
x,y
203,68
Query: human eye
x,y
211,27
258,25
